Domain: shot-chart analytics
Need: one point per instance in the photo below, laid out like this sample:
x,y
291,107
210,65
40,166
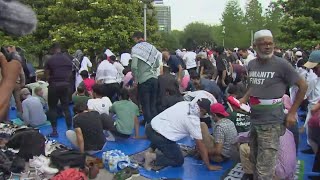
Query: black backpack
x,y
63,157
29,142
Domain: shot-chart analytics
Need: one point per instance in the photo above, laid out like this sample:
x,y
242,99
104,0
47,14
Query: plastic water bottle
x,y
113,165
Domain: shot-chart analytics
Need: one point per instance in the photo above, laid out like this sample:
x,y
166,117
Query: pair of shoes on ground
x,y
41,164
126,174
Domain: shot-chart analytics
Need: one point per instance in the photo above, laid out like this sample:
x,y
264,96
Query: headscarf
x,y
78,54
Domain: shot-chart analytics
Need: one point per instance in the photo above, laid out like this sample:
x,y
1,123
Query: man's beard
x,y
265,56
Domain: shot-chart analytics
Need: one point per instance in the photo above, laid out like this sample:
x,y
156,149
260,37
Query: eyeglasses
x,y
265,44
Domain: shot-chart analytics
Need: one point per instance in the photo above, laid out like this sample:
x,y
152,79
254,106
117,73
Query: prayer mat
x,y
139,157
236,172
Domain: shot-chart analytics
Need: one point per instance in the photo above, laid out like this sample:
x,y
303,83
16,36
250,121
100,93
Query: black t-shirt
x,y
174,63
92,130
207,65
222,64
60,67
167,81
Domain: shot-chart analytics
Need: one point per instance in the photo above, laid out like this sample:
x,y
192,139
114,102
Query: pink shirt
x,y
89,83
127,78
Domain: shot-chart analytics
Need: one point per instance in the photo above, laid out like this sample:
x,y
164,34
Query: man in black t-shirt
x,y
224,68
88,130
206,67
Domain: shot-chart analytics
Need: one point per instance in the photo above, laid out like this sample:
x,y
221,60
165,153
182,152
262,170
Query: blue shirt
x,y
174,63
211,87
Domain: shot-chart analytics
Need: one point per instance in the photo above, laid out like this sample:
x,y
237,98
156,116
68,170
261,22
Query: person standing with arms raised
x,y
269,77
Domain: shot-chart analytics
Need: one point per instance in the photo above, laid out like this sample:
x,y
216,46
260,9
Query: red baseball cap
x,y
218,109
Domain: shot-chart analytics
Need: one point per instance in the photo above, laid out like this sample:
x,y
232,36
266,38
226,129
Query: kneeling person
x,y
172,125
224,134
88,132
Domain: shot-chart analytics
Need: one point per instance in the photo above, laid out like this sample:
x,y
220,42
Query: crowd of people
x,y
249,97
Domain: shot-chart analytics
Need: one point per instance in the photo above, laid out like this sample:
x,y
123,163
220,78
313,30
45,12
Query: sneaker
x,y
35,163
124,174
47,170
44,159
149,158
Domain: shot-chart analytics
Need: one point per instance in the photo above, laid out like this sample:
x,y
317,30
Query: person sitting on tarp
x,y
88,131
173,124
32,109
220,144
126,121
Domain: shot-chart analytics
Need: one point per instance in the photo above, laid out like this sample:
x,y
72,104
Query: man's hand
x,y
214,168
9,70
291,120
224,84
243,100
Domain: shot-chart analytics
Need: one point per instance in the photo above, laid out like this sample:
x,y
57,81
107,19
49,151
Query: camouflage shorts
x,y
264,145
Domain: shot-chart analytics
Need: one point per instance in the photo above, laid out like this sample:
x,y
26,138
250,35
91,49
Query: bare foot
x,y
149,158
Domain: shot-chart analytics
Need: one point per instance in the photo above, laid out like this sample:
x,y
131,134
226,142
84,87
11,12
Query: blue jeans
x,y
148,92
171,153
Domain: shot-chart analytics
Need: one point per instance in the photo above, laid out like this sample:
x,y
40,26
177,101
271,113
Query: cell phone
x,y
6,53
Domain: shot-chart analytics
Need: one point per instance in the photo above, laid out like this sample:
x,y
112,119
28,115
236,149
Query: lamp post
x,y
223,32
145,7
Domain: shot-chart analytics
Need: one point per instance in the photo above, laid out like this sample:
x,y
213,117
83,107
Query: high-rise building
x,y
163,15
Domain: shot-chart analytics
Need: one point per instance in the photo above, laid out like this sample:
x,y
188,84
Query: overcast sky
x,y
184,12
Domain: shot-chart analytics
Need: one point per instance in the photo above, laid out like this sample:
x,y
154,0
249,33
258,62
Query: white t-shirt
x,y
100,105
85,64
179,121
107,72
249,58
120,69
190,59
125,58
200,94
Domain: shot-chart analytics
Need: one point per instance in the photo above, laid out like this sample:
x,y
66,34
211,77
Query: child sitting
x,y
87,82
79,96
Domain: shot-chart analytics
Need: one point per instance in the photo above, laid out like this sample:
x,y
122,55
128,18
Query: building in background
x,y
163,16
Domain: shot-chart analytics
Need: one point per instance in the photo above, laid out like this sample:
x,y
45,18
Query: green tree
x,y
217,34
254,19
274,16
170,41
197,34
301,23
235,33
91,25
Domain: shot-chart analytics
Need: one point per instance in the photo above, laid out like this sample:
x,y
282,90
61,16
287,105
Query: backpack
x,y
62,157
29,141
